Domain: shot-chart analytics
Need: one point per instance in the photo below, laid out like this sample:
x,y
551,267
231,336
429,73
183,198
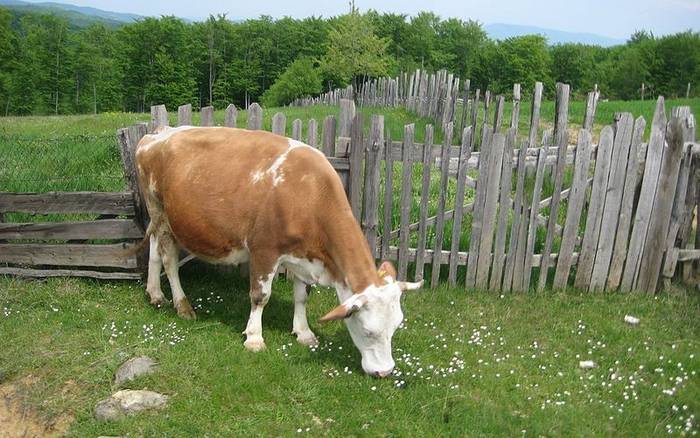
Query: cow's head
x,y
372,317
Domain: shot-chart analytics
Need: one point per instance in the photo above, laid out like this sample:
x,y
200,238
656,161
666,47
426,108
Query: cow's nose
x,y
383,374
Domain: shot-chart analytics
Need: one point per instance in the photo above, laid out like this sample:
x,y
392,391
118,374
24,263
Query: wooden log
x,y
36,254
159,117
357,149
504,207
329,125
423,210
230,116
640,226
595,209
47,273
207,116
115,203
626,207
532,221
577,198
72,230
442,199
459,204
561,134
406,198
296,129
312,134
652,255
255,117
279,124
184,115
517,224
370,214
490,209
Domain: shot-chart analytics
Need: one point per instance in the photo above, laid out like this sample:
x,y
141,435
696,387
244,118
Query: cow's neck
x,y
353,259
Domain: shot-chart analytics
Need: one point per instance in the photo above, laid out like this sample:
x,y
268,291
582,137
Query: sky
x,y
612,18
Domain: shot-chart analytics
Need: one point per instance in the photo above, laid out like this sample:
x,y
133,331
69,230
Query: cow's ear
x,y
344,310
387,271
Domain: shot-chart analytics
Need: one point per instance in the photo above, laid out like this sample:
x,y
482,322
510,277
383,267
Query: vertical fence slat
x,y
577,196
279,124
532,221
591,105
370,214
184,115
498,113
230,116
561,135
207,116
646,197
312,133
159,117
504,208
357,150
613,200
586,257
296,129
521,249
478,210
440,220
515,230
255,115
515,113
464,155
406,198
329,136
535,115
626,207
424,195
388,195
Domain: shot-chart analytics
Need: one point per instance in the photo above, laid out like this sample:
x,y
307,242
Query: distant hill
x,y
78,16
501,31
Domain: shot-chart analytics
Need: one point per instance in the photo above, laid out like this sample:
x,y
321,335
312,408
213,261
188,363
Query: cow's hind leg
x,y
155,263
300,326
169,253
262,271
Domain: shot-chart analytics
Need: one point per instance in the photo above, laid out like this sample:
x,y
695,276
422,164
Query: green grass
x,y
472,364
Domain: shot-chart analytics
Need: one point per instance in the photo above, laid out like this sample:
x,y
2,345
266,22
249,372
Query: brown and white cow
x,y
232,196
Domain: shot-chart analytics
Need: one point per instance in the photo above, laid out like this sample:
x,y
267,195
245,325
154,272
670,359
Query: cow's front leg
x,y
300,326
260,291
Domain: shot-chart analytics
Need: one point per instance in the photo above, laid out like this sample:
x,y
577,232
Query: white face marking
x,y
374,324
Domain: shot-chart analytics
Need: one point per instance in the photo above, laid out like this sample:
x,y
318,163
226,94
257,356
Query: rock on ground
x,y
128,402
133,368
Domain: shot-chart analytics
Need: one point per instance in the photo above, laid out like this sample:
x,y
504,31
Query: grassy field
x,y
468,364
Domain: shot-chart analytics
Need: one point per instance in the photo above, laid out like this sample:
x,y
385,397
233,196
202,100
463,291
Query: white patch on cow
x,y
309,271
164,135
257,176
236,257
275,170
298,144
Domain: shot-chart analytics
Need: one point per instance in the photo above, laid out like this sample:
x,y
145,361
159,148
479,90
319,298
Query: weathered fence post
x,y
184,115
424,195
255,115
370,214
356,156
279,124
329,126
296,129
159,117
230,116
207,116
312,133
440,214
406,196
465,153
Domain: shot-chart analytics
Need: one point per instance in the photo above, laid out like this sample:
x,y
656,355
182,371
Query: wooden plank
x,y
515,113
591,105
406,198
490,209
595,209
116,203
312,133
207,116
478,211
357,152
498,113
389,194
66,255
459,204
296,129
504,208
626,207
613,201
577,198
329,125
442,199
279,124
46,273
346,119
159,117
520,254
532,221
517,223
255,116
535,115
652,255
561,135
677,214
184,115
652,165
128,139
230,116
72,230
370,214
465,109
423,210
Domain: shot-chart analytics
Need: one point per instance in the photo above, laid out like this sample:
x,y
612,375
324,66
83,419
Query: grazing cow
x,y
232,195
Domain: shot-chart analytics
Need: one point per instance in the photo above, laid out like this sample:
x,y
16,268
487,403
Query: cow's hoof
x,y
184,309
157,299
254,345
308,339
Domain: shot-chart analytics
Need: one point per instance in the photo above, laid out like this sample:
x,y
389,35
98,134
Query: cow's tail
x,y
150,230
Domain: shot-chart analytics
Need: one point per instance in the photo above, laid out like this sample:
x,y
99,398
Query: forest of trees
x,y
51,67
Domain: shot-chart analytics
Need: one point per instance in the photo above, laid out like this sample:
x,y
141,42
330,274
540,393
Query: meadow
x,y
469,363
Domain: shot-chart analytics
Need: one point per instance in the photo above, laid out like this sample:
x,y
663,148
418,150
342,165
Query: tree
x,y
299,80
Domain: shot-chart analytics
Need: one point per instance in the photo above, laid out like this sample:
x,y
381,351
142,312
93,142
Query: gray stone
x,y
133,368
128,402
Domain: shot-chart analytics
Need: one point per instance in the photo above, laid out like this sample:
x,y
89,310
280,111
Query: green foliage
x,y
300,79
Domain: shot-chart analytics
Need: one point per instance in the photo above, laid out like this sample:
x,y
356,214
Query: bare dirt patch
x,y
18,419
